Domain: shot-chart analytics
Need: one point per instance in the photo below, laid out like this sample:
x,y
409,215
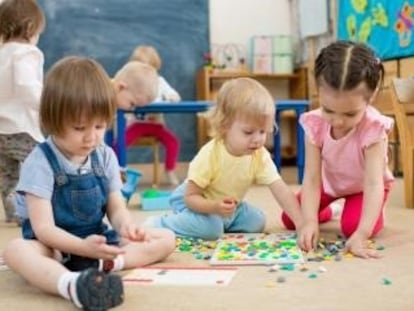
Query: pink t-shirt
x,y
343,160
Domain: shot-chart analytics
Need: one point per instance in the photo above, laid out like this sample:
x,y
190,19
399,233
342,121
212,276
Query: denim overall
x,y
78,201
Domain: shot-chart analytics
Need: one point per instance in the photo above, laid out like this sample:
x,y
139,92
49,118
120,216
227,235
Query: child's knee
x,y
12,249
211,232
348,227
169,239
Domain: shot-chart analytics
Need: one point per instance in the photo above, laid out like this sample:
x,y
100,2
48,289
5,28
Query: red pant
x,y
162,133
351,214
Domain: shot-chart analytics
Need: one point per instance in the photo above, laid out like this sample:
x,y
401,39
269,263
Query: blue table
x,y
179,107
299,106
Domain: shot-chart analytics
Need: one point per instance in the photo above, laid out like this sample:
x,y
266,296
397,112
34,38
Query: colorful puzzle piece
x,y
257,249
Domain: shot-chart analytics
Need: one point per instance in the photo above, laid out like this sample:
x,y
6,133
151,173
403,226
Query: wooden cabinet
x,y
403,68
406,67
209,82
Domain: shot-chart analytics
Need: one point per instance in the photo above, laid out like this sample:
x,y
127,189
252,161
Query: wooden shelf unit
x,y
206,78
209,81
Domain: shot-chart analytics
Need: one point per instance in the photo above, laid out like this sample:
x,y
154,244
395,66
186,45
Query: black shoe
x,y
99,291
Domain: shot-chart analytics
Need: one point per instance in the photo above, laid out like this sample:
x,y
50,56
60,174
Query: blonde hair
x,y
20,19
241,98
76,89
140,78
147,54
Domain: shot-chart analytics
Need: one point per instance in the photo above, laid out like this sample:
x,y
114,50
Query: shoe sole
x,y
99,291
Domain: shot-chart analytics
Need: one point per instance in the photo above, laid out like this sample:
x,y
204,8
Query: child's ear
x,y
120,85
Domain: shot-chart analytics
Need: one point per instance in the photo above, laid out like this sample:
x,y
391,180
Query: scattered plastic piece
x,y
270,284
274,268
386,281
288,267
313,276
281,279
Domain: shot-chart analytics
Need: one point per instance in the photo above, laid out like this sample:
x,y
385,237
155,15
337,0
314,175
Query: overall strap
x,y
98,170
60,175
96,165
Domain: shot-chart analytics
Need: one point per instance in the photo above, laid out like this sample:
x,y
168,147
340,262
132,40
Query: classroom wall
x,y
236,21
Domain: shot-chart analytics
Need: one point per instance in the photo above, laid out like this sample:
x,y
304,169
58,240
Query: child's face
x,y
127,99
80,139
244,137
343,109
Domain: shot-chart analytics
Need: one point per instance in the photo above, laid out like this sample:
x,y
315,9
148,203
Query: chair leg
x,y
156,166
409,179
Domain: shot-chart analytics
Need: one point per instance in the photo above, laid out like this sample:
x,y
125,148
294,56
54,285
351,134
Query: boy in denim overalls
x,y
70,184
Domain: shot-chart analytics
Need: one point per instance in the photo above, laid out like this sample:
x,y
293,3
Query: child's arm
x,y
121,220
310,196
287,201
167,92
373,200
196,201
41,218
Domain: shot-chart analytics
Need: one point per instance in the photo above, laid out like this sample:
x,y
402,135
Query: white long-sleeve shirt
x,y
21,82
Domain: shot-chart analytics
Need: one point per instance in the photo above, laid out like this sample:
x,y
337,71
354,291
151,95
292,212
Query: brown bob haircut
x,y
76,89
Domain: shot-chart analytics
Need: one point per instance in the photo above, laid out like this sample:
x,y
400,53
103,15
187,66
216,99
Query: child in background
x,y
67,248
154,124
136,85
210,202
21,80
346,148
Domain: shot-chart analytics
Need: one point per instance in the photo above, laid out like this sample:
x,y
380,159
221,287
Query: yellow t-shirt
x,y
221,174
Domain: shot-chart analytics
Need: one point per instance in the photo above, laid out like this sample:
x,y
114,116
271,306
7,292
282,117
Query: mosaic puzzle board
x,y
257,249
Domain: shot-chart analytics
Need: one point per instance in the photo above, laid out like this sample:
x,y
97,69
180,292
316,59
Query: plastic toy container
x,y
132,178
152,200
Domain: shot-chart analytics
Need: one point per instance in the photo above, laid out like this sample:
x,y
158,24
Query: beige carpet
x,y
350,284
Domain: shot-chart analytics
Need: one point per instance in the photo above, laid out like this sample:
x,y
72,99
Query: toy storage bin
x,y
132,178
282,44
262,64
283,64
152,200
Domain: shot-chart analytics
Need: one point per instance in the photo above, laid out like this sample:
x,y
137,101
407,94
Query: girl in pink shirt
x,y
346,149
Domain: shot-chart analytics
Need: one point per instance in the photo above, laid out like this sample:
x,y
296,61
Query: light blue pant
x,y
185,222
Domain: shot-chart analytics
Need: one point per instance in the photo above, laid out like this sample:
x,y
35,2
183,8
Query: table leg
x,y
121,143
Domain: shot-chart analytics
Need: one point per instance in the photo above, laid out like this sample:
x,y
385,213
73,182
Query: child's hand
x,y
133,232
358,246
97,248
227,207
172,98
308,236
